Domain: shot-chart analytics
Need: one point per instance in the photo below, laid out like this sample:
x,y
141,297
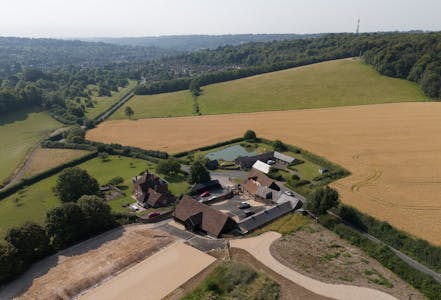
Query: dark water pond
x,y
231,153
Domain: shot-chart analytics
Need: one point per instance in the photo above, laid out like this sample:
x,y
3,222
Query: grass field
x,y
103,103
392,151
19,132
160,105
334,83
32,203
45,158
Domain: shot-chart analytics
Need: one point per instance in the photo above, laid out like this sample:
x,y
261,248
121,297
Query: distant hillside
x,y
197,42
18,54
343,82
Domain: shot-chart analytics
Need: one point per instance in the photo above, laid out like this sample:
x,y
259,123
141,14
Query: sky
x,y
131,18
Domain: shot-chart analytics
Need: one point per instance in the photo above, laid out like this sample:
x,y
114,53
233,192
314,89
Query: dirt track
x,y
393,151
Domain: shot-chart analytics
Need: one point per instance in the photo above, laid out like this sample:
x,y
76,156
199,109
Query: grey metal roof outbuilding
x,y
259,219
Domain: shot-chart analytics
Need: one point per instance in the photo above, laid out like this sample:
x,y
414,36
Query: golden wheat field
x,y
392,150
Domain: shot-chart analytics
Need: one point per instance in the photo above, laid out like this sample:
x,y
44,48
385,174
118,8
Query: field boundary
x,y
45,174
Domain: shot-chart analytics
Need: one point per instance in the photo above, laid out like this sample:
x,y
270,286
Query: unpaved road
x,y
259,247
155,277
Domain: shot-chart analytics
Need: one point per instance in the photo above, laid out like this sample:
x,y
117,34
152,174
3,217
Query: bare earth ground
x,y
259,247
44,158
392,150
65,275
156,276
322,255
288,289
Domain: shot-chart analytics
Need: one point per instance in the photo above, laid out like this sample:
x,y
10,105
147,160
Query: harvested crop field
x,y
82,266
392,150
45,158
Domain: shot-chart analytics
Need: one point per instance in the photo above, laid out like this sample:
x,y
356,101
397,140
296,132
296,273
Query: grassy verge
x,y
19,132
284,225
233,280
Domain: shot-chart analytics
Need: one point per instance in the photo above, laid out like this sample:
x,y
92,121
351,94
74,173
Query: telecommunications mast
x,y
358,27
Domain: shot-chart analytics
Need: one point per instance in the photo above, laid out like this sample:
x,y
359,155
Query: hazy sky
x,y
93,18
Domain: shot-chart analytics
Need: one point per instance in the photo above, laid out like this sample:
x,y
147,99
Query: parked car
x,y
134,207
205,194
249,213
244,205
153,214
271,162
289,193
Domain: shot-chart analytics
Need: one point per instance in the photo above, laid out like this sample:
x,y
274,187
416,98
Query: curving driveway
x,y
259,247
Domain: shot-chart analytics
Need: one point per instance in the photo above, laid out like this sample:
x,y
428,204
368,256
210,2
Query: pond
x,y
231,153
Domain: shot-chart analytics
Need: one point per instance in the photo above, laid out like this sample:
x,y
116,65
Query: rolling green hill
x,y
334,83
19,132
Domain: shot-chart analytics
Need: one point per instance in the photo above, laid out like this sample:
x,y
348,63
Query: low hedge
x,y
113,149
425,283
43,175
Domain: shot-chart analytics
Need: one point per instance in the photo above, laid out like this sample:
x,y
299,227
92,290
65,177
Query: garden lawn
x,y
19,132
102,103
344,82
32,203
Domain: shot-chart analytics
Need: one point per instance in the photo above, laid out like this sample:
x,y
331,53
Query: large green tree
x,y
30,240
74,183
65,225
10,264
321,200
97,213
250,135
198,173
75,135
129,112
168,167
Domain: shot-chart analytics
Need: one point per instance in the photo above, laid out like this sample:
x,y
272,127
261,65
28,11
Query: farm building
x,y
203,187
198,217
247,162
262,167
323,170
283,158
151,191
257,191
261,218
262,179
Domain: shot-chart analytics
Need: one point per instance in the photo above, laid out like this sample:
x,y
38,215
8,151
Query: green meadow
x,y
102,103
343,82
19,132
32,203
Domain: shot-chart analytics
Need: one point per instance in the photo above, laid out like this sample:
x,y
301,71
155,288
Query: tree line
x,y
62,86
